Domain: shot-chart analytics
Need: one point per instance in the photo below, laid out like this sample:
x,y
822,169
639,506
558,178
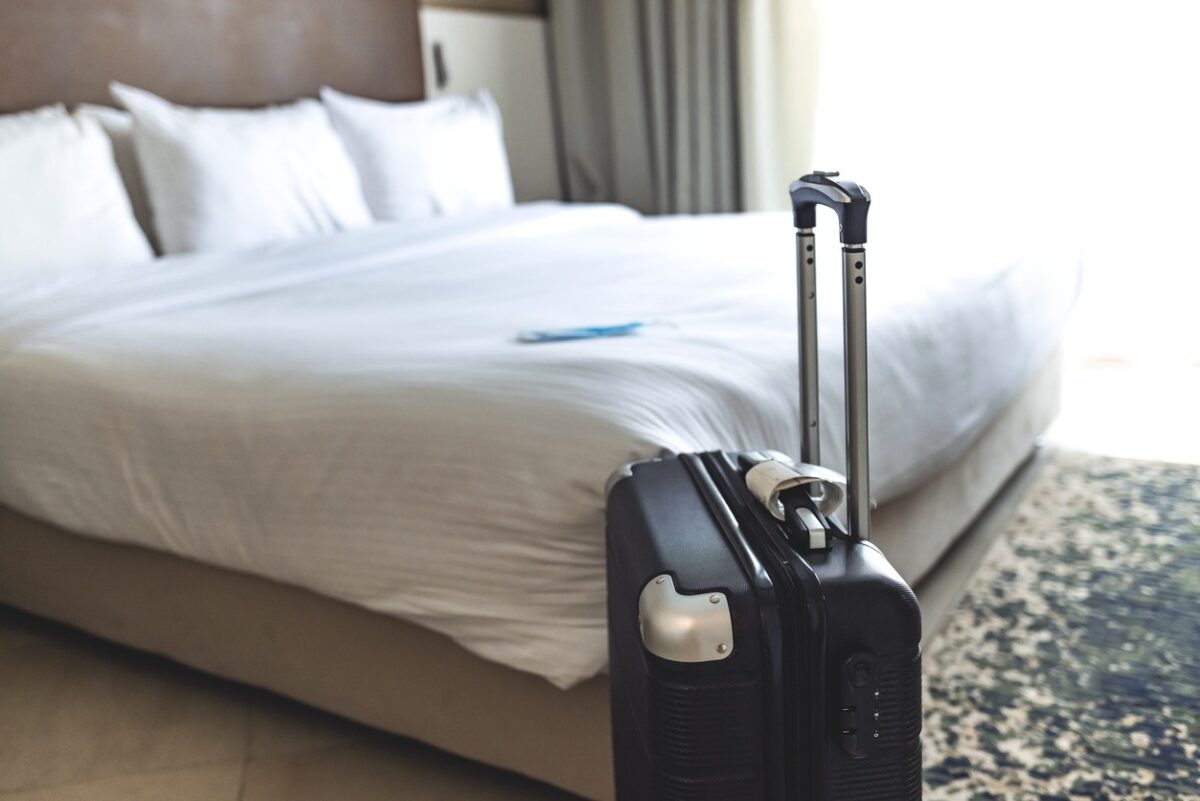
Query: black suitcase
x,y
758,648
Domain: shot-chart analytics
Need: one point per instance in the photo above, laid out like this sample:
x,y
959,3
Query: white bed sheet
x,y
351,413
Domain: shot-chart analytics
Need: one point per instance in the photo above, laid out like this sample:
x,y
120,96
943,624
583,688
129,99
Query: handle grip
x,y
851,202
847,198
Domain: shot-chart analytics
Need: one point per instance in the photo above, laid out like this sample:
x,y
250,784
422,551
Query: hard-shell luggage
x,y
760,648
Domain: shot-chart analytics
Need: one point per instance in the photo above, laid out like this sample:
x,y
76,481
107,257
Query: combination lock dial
x,y
856,717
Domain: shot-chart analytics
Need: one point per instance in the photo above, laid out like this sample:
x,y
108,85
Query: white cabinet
x,y
506,54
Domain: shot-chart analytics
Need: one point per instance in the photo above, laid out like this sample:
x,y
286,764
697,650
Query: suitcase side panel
x,y
681,730
874,666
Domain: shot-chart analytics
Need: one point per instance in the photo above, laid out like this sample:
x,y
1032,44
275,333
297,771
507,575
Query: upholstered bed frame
x,y
364,665
207,52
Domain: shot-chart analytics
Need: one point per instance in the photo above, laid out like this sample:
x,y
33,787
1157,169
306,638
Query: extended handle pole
x,y
806,295
851,203
854,310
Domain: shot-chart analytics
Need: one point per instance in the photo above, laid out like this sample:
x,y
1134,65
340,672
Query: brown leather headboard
x,y
207,52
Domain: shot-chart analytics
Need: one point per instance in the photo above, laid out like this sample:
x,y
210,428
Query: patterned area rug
x,y
1071,669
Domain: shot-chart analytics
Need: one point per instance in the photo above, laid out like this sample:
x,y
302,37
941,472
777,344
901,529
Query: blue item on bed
x,y
585,332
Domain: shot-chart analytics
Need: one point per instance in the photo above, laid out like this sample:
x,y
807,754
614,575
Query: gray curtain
x,y
646,94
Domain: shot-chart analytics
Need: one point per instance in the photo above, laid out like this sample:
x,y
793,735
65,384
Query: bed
x,y
327,467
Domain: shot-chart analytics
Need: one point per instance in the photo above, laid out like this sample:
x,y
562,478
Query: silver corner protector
x,y
684,628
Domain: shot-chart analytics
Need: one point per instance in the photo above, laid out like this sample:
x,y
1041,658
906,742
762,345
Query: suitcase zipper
x,y
770,606
796,589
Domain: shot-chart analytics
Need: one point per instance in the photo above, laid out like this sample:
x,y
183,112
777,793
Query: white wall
x,y
1071,115
506,54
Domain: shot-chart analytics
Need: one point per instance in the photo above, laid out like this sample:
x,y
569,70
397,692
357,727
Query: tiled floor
x,y
1139,411
82,719
1131,386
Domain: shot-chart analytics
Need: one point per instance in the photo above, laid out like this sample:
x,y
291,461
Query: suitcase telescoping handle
x,y
851,203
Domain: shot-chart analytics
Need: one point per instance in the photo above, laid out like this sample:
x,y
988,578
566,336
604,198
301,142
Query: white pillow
x,y
417,160
118,125
62,204
228,178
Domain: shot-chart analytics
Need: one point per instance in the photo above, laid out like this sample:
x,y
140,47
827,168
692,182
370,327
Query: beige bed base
x,y
398,676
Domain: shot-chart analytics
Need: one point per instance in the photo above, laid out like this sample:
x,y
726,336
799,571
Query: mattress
x,y
351,414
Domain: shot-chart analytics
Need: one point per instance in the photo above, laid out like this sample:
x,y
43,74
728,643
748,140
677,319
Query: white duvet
x,y
351,413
